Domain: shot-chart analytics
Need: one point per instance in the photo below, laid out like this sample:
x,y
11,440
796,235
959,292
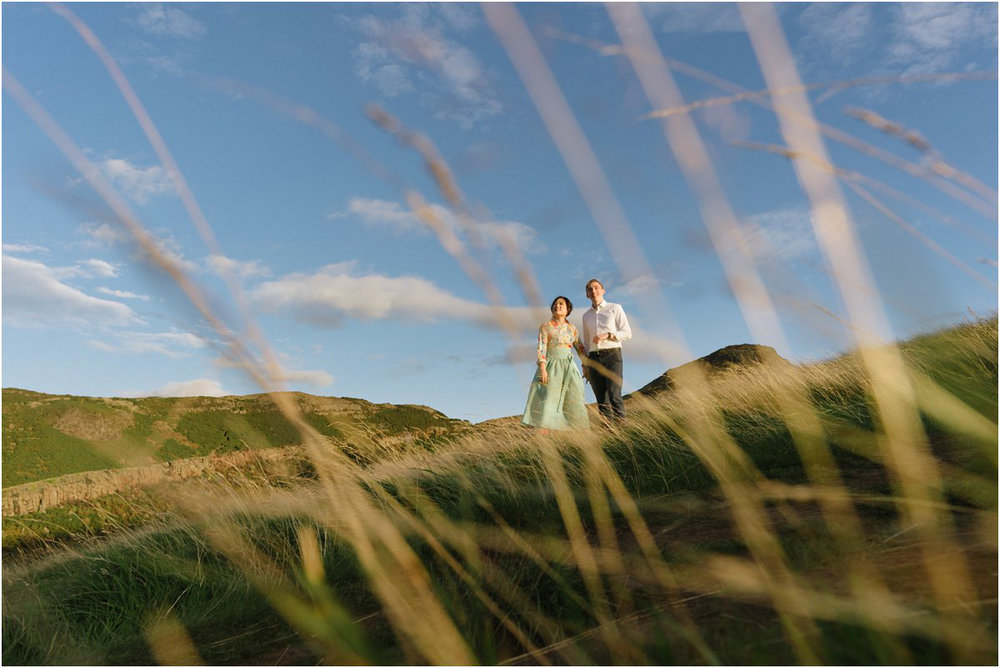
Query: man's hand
x,y
601,337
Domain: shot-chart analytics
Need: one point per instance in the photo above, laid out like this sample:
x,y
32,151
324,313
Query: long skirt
x,y
558,404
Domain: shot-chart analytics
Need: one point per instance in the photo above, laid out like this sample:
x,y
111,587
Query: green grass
x,y
482,514
36,445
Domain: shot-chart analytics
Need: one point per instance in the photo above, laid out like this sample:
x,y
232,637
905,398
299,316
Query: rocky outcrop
x,y
35,497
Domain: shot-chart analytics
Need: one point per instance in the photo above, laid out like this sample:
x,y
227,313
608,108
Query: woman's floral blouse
x,y
551,335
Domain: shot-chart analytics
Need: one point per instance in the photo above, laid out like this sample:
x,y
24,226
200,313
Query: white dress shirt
x,y
605,318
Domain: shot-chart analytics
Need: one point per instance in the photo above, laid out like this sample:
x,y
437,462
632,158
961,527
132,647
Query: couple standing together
x,y
555,400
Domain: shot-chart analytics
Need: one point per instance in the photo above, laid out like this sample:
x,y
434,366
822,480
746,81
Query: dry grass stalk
x,y
978,204
914,471
580,160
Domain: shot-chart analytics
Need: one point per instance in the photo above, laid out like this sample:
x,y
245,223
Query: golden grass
x,y
401,534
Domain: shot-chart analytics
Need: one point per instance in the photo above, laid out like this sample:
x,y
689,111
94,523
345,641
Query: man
x,y
605,328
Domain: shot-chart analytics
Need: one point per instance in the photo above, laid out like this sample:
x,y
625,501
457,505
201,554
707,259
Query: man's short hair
x,y
594,280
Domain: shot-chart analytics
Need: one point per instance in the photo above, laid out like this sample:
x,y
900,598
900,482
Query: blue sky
x,y
357,296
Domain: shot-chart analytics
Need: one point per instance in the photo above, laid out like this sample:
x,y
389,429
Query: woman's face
x,y
559,308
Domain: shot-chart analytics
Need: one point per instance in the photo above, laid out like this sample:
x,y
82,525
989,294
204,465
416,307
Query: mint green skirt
x,y
558,404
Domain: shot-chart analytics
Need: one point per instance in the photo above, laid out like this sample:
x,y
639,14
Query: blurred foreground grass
x,y
700,533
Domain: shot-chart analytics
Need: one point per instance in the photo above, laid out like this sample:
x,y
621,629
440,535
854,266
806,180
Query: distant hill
x,y
46,435
729,359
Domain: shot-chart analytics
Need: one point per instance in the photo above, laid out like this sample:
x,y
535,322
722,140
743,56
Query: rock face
x,y
725,360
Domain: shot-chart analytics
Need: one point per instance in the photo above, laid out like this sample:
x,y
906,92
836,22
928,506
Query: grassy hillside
x,y
45,436
770,515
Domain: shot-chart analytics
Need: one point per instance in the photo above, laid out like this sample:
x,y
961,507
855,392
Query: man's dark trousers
x,y
608,390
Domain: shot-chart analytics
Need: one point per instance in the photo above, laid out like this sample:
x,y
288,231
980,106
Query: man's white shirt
x,y
605,318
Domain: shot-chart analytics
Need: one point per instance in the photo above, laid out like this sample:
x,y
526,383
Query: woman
x,y
555,400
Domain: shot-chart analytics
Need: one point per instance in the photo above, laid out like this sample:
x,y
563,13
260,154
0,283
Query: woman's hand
x,y
543,375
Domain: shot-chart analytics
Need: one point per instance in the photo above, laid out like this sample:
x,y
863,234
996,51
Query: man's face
x,y
595,292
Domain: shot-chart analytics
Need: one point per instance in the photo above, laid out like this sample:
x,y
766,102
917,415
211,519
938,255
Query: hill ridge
x,y
50,435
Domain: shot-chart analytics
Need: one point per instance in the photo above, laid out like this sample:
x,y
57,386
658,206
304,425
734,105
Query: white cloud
x,y
646,284
34,296
173,344
524,236
223,265
137,183
413,54
122,294
168,249
99,268
929,36
393,217
695,17
840,32
166,65
24,248
780,235
110,235
902,38
92,268
386,215
201,387
332,294
280,373
160,19
946,25
316,377
87,269
106,233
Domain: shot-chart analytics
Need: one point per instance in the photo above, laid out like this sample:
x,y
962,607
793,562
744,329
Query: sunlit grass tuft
x,y
594,548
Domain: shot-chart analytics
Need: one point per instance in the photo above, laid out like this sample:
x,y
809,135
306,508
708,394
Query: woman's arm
x,y
543,344
582,353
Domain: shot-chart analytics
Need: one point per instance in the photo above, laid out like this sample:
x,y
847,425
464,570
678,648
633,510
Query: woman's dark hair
x,y
569,304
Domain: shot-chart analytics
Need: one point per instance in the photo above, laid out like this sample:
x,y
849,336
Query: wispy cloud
x,y
783,235
223,265
904,38
838,32
392,217
105,233
34,296
24,248
122,294
642,285
173,344
695,17
282,373
384,215
166,65
416,53
333,294
92,268
200,387
158,19
930,36
108,235
316,377
139,184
